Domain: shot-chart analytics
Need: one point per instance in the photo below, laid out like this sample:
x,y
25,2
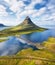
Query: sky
x,y
41,12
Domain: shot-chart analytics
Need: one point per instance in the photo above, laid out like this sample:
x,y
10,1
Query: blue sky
x,y
41,12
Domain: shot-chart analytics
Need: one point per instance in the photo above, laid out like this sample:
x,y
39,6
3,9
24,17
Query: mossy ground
x,y
42,56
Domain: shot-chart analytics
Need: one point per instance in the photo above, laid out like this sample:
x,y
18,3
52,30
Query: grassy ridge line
x,y
31,58
14,33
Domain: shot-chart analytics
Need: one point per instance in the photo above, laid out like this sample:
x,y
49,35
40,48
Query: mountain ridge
x,y
2,25
26,27
27,21
29,24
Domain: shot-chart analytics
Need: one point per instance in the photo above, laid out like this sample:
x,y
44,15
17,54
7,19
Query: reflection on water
x,y
2,28
13,45
39,36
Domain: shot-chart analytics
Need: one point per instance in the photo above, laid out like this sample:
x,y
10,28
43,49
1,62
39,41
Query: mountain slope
x,y
27,25
2,25
50,44
24,28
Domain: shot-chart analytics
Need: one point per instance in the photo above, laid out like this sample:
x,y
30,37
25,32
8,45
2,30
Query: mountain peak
x,y
27,17
27,21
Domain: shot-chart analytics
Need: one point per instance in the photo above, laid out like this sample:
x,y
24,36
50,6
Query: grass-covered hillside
x,y
33,57
50,44
24,28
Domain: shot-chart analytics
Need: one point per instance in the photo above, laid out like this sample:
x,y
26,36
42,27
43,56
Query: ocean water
x,y
40,36
2,28
14,45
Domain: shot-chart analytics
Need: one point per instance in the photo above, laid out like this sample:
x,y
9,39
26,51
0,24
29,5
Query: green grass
x,y
31,57
21,29
38,54
50,44
2,40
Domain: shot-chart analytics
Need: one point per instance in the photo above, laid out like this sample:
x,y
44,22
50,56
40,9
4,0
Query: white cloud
x,y
27,12
16,6
39,12
21,10
7,1
2,11
2,45
46,19
31,6
5,53
45,16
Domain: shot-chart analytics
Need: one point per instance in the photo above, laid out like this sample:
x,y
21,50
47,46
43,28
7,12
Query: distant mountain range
x,y
2,25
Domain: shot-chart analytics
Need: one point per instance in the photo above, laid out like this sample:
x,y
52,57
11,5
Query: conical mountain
x,y
29,25
27,21
26,27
